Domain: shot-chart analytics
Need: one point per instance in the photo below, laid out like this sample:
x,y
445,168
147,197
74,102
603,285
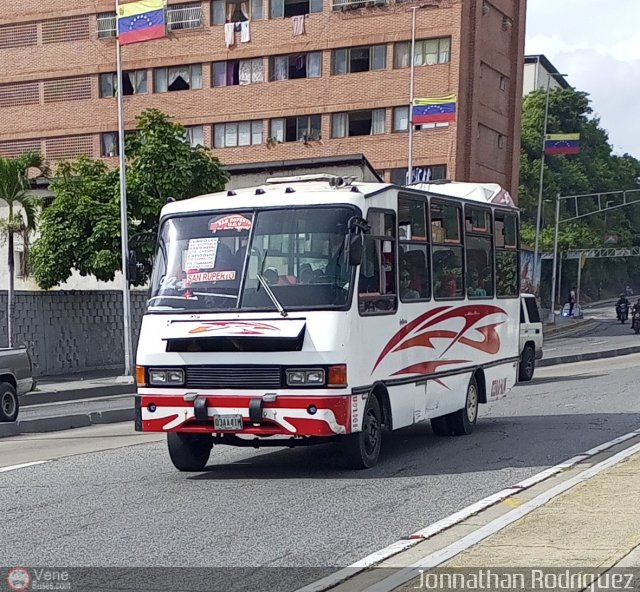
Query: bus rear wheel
x,y
362,449
461,422
189,452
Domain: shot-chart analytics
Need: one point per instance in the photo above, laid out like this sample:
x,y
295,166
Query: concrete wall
x,y
69,332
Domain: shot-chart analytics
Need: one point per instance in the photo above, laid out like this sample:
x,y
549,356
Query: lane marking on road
x,y
23,465
441,525
434,559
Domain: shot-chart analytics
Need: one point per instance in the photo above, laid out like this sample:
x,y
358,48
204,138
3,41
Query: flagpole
x,y
411,95
539,215
124,232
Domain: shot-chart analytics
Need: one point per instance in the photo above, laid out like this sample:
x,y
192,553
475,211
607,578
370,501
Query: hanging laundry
x,y
298,25
245,33
229,34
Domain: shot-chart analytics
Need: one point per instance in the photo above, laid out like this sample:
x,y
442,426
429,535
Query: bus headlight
x,y
305,377
166,377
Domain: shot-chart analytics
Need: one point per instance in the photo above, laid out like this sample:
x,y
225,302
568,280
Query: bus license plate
x,y
227,423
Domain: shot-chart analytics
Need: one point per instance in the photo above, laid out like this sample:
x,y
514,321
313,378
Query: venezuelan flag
x,y
141,21
555,144
435,110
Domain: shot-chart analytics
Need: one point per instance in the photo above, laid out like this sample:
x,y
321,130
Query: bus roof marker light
x,y
231,193
289,190
260,191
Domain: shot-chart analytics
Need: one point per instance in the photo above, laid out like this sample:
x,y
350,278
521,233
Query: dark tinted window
x,y
532,309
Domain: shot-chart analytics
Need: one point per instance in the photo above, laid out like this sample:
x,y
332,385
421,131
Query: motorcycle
x,y
635,322
623,312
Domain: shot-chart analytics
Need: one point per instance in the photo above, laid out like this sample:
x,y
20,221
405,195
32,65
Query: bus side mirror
x,y
355,249
132,267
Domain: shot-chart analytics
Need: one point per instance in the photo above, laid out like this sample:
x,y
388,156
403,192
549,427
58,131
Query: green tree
x,y
22,214
81,229
594,170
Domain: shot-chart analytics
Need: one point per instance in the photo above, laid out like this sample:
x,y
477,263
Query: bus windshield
x,y
213,261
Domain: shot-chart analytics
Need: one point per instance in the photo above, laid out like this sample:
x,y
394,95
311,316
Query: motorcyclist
x,y
636,307
622,300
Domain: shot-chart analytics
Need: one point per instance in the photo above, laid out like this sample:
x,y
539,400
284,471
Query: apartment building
x,y
540,72
274,80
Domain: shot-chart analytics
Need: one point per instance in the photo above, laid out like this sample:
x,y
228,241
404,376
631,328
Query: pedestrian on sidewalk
x,y
572,300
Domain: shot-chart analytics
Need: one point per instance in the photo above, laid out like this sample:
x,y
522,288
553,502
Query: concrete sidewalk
x,y
594,527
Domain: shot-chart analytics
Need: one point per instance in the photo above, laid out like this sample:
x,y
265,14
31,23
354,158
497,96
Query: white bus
x,y
316,309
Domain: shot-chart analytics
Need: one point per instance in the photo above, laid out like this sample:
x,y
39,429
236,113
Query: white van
x,y
531,338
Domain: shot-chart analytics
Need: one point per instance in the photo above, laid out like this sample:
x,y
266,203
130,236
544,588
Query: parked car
x,y
16,379
531,338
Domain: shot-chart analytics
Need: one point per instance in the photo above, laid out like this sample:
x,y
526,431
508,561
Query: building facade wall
x,y
41,64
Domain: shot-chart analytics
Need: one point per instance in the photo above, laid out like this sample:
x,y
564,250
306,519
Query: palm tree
x,y
23,209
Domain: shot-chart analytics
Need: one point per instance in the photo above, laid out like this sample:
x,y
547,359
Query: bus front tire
x,y
362,449
461,422
189,452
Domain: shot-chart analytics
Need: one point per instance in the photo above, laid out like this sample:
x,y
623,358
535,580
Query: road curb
x,y
599,355
59,423
95,392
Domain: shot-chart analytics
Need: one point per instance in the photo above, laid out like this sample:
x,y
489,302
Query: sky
x,y
598,45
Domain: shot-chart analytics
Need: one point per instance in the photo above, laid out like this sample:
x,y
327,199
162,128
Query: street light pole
x,y
540,188
411,95
555,258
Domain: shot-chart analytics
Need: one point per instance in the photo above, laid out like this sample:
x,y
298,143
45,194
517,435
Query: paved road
x,y
603,333
112,498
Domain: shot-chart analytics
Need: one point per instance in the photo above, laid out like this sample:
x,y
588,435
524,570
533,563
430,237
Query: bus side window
x,y
377,281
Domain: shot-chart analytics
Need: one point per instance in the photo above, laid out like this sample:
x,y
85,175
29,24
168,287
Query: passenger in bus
x,y
406,292
475,289
306,275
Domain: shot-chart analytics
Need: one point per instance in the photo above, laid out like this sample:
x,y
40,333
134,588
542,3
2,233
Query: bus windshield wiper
x,y
272,296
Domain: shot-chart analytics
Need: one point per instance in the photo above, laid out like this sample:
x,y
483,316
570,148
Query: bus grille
x,y
233,377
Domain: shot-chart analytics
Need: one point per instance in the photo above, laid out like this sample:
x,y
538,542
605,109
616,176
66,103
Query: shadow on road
x,y
497,443
551,379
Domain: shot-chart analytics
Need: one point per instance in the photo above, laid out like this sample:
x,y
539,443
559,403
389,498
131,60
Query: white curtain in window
x,y
195,135
196,76
231,135
244,133
339,123
281,68
377,121
218,135
244,9
161,80
403,50
138,80
257,70
256,132
109,144
277,129
445,50
401,119
107,86
244,75
314,64
430,48
339,61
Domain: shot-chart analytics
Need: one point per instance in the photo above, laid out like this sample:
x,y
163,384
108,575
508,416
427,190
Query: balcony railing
x,y
184,17
355,4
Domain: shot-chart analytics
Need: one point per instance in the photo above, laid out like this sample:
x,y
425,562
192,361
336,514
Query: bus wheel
x,y
361,450
189,452
462,422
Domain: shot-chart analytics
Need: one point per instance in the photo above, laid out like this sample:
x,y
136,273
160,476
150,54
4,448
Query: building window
x,y
294,129
184,16
235,72
355,4
503,83
134,82
106,24
287,8
295,66
232,11
401,121
195,136
178,78
428,52
358,59
377,282
358,123
109,144
420,174
501,141
244,133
